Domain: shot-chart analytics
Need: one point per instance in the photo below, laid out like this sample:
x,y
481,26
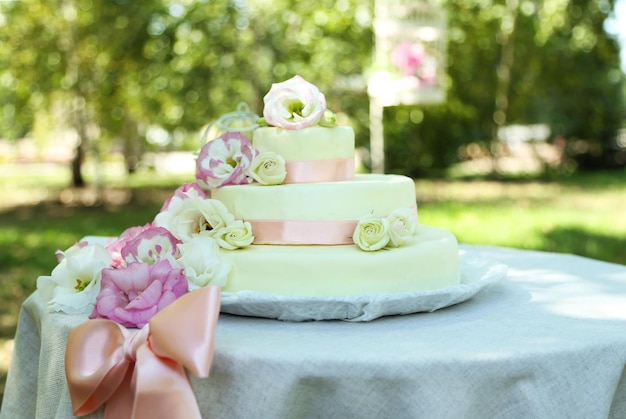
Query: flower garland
x,y
147,267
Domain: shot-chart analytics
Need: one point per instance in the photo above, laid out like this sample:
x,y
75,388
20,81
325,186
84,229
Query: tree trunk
x,y
80,121
503,77
77,162
132,145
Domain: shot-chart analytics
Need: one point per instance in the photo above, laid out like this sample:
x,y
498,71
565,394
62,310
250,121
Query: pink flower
x,y
294,104
115,247
408,58
225,160
183,191
149,246
132,295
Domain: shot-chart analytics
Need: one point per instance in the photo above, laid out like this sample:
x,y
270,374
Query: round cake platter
x,y
476,274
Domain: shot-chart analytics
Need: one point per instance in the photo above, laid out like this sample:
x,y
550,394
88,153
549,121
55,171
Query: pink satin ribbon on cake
x,y
302,232
325,170
305,231
141,374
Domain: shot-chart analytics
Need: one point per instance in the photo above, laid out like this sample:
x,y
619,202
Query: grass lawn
x,y
584,214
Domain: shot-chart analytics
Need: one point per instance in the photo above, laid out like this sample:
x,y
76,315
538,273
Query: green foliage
x,y
565,74
113,70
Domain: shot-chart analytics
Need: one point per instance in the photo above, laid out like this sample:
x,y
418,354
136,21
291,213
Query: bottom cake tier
x,y
427,262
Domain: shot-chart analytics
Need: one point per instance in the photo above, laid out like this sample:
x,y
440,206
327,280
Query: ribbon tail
x,y
161,389
185,330
120,404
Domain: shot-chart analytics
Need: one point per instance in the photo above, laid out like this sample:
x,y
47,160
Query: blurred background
x,y
514,125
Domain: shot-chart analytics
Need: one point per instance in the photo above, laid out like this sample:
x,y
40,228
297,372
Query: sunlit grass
x,y
599,235
584,214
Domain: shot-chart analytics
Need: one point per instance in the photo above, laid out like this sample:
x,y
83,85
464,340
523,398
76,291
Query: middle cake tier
x,y
316,213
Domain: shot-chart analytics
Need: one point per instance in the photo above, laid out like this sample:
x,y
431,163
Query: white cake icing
x,y
313,143
429,261
329,201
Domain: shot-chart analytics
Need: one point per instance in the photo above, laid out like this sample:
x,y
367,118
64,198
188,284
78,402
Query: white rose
x,y
235,235
294,104
202,263
74,283
187,217
268,168
371,233
402,226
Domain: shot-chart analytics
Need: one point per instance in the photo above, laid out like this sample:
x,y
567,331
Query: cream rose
x,y
202,263
268,168
294,104
235,235
371,233
402,226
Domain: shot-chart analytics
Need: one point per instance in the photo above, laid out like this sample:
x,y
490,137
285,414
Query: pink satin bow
x,y
141,374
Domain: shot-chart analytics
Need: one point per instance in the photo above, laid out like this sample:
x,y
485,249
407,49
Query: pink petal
x,y
146,298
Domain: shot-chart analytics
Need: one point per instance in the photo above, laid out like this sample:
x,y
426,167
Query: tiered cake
x,y
318,228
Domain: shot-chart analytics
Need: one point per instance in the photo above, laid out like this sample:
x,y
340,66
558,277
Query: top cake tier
x,y
314,154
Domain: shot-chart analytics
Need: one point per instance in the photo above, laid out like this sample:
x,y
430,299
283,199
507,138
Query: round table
x,y
547,341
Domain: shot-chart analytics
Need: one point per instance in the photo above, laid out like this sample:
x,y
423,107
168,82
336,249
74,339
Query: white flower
x,y
268,168
236,235
192,215
75,282
202,263
294,104
61,254
402,226
371,233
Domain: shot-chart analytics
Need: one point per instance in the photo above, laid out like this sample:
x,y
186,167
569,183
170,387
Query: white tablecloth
x,y
548,341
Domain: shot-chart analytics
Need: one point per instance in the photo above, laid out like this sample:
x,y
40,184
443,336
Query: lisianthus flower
x,y
150,245
402,226
184,191
202,263
371,233
131,296
268,168
225,160
294,104
115,247
192,215
61,254
74,283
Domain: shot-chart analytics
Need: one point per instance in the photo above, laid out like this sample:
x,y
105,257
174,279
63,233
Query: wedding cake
x,y
282,214
315,228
